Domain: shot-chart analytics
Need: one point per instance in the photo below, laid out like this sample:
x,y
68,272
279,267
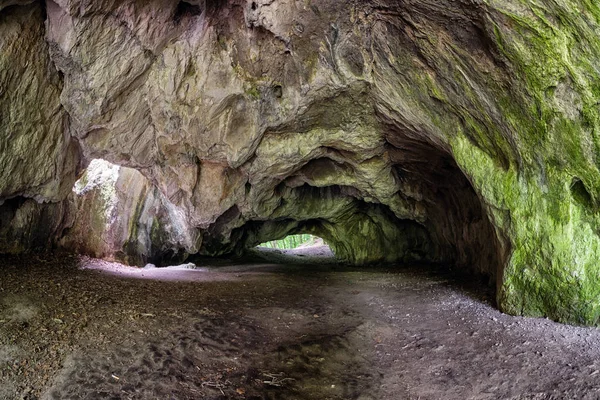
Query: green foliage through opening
x,y
291,242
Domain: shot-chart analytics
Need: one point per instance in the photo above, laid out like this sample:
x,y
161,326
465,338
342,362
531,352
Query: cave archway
x,y
433,215
422,209
456,218
292,242
298,248
116,213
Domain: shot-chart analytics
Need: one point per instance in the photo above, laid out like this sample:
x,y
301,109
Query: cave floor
x,y
78,328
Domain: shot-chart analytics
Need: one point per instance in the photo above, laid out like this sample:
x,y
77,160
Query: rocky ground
x,y
78,328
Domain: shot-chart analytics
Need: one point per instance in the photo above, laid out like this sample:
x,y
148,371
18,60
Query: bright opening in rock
x,y
295,248
118,215
300,245
294,242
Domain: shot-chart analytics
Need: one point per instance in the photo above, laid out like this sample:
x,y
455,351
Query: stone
x,y
39,158
116,214
459,132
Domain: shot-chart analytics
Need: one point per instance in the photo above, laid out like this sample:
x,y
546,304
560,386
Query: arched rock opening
x,y
455,216
243,115
433,215
292,242
116,213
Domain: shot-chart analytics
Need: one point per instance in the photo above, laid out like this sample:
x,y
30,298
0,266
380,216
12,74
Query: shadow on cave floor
x,y
79,328
321,259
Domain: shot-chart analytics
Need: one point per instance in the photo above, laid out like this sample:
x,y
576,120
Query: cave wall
x,y
455,131
115,213
39,160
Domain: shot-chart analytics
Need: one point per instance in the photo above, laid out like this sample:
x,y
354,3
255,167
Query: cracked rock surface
x,y
463,132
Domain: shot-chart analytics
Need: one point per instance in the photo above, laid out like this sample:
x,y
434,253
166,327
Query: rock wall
x,y
39,161
116,214
457,131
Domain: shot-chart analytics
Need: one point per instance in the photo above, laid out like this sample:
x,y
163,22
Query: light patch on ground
x,y
17,309
8,353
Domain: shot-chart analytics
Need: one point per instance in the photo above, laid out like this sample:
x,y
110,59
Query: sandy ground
x,y
77,328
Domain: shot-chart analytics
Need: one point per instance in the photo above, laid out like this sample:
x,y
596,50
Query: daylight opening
x,y
117,214
294,241
296,248
98,173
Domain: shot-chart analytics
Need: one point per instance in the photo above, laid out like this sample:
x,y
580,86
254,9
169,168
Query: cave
x,y
444,153
292,242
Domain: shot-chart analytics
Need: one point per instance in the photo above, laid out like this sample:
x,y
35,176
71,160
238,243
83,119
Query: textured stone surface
x,y
237,112
39,160
37,155
115,213
458,131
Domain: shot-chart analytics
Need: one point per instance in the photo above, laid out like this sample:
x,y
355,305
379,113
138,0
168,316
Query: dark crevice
x,y
581,194
228,216
8,210
186,10
44,10
213,237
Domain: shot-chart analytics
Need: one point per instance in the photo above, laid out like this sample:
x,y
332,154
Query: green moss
x,y
253,92
544,199
524,164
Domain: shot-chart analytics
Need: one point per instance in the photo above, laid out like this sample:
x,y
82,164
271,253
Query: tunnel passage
x,y
304,248
358,233
292,242
456,218
423,209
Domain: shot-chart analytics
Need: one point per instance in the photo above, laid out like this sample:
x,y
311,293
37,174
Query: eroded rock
x,y
116,214
463,132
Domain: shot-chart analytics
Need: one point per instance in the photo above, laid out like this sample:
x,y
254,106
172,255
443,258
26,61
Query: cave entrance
x,y
117,214
99,173
95,212
447,204
292,242
296,248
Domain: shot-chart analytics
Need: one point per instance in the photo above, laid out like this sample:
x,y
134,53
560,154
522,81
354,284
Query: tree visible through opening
x,y
294,241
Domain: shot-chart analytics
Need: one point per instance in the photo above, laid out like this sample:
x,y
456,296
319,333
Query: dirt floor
x,y
78,328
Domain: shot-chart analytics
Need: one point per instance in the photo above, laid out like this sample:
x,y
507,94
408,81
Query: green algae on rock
x,y
459,132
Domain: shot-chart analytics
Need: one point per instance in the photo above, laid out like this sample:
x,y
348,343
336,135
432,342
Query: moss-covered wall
x,y
461,132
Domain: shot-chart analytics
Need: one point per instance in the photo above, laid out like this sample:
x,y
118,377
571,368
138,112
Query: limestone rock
x,y
117,214
463,132
38,157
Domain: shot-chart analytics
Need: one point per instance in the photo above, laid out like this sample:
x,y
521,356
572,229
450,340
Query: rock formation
x,y
115,212
455,131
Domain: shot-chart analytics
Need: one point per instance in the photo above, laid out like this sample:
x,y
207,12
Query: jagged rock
x,y
38,157
464,131
39,161
116,214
